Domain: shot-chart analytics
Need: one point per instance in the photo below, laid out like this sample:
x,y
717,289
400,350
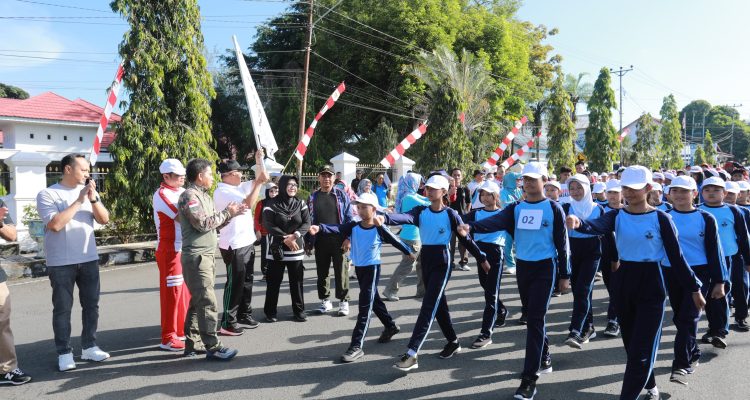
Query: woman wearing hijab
x,y
286,219
382,190
510,194
365,186
585,254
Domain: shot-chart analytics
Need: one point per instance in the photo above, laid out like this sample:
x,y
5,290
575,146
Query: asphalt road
x,y
288,360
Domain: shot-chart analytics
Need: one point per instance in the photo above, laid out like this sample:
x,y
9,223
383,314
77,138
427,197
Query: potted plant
x,y
33,221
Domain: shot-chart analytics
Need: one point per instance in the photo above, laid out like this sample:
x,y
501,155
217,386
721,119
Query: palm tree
x,y
579,91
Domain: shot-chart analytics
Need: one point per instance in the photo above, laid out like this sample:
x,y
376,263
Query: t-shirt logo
x,y
441,231
545,223
649,235
724,224
702,234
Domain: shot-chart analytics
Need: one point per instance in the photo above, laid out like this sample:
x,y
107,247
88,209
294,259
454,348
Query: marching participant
x,y
614,202
656,198
552,190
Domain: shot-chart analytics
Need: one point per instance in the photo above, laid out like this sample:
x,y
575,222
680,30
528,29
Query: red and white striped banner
x,y
302,145
401,148
495,157
515,157
623,134
114,91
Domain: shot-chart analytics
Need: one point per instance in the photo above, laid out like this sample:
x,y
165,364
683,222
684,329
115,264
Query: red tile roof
x,y
53,107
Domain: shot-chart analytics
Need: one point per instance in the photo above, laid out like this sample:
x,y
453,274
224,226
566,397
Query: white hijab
x,y
584,207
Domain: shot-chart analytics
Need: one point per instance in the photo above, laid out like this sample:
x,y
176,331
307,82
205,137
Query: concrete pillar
x,y
28,177
403,165
347,165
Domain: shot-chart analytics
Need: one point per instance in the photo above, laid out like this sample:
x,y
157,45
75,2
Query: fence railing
x,y
98,177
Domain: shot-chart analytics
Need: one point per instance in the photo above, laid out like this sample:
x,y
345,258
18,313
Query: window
x,y
80,138
65,138
31,135
49,137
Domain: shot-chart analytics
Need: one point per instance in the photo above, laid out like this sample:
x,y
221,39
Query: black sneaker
x,y
221,353
575,340
651,396
590,334
719,342
271,319
707,338
301,317
249,322
352,354
556,293
679,376
406,363
741,325
388,333
231,330
612,329
523,320
546,366
15,377
450,349
500,319
481,342
527,390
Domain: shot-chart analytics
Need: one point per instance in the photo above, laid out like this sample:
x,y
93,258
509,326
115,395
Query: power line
x,y
64,6
356,76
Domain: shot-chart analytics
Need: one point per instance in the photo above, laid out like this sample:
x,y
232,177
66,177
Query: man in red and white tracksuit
x,y
174,295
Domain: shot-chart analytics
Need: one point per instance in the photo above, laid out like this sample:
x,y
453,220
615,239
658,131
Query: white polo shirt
x,y
239,231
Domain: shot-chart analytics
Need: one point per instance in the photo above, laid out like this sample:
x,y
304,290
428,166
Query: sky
x,y
693,49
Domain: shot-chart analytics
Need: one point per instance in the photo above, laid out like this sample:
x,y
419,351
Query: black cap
x,y
326,170
230,165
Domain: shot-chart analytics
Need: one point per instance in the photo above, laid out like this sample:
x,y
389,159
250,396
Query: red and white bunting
x,y
623,134
401,148
302,145
515,157
495,157
114,91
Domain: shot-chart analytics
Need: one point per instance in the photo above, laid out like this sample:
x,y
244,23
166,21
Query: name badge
x,y
529,219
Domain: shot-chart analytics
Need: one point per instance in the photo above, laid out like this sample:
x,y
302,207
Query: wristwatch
x,y
95,200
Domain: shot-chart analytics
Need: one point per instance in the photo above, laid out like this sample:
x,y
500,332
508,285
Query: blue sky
x,y
691,48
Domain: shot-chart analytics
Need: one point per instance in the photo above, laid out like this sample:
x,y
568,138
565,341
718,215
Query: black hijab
x,y
284,204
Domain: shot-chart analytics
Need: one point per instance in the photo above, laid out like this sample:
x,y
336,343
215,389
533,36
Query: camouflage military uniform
x,y
199,221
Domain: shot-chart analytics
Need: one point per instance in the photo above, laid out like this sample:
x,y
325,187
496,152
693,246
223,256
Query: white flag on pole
x,y
262,129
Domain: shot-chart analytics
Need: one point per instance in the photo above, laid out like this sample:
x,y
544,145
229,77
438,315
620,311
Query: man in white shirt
x,y
236,244
69,209
174,296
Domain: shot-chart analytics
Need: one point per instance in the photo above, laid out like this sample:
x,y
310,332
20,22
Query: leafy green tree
x,y
709,149
12,92
670,141
578,90
699,157
694,113
561,132
601,142
167,112
646,152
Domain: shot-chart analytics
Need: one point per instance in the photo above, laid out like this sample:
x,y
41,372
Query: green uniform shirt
x,y
199,220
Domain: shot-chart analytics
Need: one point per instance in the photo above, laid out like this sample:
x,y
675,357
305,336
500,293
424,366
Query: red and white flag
x,y
401,148
624,133
515,157
495,157
302,145
114,91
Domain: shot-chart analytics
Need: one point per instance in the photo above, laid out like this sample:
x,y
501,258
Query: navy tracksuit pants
x,y
536,279
640,299
717,310
585,254
739,279
490,282
605,265
369,302
436,271
685,318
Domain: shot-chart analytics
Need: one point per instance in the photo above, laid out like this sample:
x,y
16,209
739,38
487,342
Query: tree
x,y
709,149
601,144
561,132
578,90
699,157
670,142
12,92
168,113
693,113
646,152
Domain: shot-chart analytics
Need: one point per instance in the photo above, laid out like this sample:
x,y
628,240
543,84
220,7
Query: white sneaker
x,y
344,308
65,362
94,354
325,306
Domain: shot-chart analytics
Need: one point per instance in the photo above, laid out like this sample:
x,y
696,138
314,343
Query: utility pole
x,y
303,107
731,135
620,73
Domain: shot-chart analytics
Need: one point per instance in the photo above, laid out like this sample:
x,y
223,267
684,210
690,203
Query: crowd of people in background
x,y
648,234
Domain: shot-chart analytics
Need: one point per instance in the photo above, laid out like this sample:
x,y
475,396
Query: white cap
x,y
613,185
684,182
490,187
553,183
658,175
368,198
599,187
172,166
656,186
732,187
744,185
595,174
669,175
715,181
635,177
534,170
437,182
580,178
696,169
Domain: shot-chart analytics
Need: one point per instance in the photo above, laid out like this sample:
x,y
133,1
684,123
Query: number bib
x,y
529,219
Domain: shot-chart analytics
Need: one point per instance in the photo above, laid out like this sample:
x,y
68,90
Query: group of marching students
x,y
651,235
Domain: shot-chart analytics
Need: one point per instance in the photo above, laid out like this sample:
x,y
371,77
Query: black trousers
x,y
263,259
369,302
536,280
490,282
273,282
238,291
327,251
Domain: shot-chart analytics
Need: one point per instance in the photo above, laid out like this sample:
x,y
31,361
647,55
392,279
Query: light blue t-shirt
x,y
534,231
638,237
366,244
381,191
411,232
435,227
497,237
691,233
725,223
